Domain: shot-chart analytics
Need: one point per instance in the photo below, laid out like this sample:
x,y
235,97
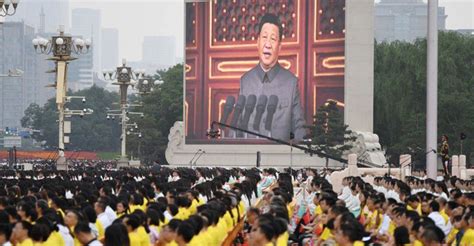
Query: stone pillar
x,y
405,164
455,166
432,90
359,66
352,165
462,167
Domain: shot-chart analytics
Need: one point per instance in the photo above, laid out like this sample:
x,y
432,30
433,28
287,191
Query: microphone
x,y
271,109
249,107
228,107
239,107
260,108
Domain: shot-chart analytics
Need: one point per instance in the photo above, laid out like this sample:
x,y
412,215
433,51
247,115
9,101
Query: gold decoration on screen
x,y
244,66
316,32
333,62
212,19
315,68
187,68
221,102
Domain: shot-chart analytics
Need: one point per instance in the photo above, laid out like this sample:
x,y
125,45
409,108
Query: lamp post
x,y
8,7
61,46
124,77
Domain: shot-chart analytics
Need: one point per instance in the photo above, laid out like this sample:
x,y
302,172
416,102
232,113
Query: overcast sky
x,y
138,18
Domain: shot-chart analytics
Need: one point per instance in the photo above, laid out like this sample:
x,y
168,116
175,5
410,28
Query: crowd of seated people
x,y
217,206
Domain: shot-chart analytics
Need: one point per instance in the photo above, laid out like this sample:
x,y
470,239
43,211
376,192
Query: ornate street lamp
x,y
124,77
8,7
62,47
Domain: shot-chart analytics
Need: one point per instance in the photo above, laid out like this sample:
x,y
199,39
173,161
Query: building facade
x,y
110,48
17,93
404,20
56,13
87,23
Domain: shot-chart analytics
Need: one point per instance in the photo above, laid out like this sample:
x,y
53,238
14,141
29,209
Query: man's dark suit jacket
x,y
282,83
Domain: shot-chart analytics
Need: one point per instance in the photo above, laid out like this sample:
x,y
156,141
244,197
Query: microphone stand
x,y
199,156
194,156
213,133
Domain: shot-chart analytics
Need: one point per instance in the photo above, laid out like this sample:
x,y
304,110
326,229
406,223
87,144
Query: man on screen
x,y
270,78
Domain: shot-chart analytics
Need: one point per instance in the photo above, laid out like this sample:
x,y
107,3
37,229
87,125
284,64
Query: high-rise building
x,y
87,23
110,48
56,13
159,50
17,93
81,71
404,20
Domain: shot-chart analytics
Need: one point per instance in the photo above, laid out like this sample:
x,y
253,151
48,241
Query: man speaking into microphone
x,y
278,111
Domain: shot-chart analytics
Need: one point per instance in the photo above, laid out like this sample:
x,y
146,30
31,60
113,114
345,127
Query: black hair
x,y
5,229
186,231
401,235
116,234
267,227
354,231
174,224
272,19
433,234
39,232
82,227
90,214
434,205
133,221
413,216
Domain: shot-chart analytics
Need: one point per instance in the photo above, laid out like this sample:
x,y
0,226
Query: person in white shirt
x,y
175,177
438,219
346,191
103,218
85,236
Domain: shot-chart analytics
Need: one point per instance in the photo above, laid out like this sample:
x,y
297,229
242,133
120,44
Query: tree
x,y
329,133
400,93
91,133
162,108
32,114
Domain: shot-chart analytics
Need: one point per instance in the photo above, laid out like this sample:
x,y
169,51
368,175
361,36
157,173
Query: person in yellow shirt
x,y
137,202
168,234
348,231
468,225
20,234
46,233
185,233
432,235
132,222
122,209
183,204
116,234
200,230
143,229
262,233
193,196
413,204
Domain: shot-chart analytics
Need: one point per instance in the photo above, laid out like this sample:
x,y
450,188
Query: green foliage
x,y
162,108
90,133
400,93
330,135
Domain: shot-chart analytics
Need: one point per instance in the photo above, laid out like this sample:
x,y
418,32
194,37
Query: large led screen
x,y
260,65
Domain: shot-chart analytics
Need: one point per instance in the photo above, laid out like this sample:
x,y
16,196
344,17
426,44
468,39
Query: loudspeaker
x,y
258,158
